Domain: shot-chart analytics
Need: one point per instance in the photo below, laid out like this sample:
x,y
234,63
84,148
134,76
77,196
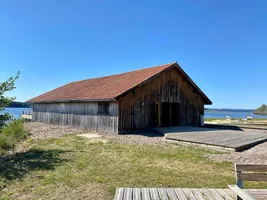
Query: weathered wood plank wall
x,y
78,115
137,108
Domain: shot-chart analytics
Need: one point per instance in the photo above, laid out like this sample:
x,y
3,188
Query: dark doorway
x,y
166,114
175,114
170,114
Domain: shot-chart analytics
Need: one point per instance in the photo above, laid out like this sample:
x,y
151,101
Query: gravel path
x,y
153,138
44,131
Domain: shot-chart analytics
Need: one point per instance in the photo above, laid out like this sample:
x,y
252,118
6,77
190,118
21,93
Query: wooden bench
x,y
248,172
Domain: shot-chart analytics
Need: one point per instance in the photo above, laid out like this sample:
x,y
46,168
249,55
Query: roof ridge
x,y
125,72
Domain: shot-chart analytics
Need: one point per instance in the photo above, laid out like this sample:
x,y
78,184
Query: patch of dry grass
x,y
74,167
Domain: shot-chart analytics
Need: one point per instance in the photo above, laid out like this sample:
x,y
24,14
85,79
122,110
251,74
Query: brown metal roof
x,y
106,88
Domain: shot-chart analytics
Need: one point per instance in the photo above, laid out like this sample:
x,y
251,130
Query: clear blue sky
x,y
221,44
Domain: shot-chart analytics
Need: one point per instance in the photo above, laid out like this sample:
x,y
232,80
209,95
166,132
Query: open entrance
x,y
167,114
157,114
175,114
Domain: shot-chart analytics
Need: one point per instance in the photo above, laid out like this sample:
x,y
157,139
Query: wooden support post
x,y
239,183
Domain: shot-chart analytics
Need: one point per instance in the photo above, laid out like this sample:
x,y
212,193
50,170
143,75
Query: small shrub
x,y
16,129
11,134
5,143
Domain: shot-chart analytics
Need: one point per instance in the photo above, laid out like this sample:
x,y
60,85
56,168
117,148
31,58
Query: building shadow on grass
x,y
18,165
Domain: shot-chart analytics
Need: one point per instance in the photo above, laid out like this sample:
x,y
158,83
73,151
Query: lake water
x,y
232,114
16,112
208,114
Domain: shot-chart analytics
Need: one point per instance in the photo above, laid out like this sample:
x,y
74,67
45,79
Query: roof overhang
x,y
74,101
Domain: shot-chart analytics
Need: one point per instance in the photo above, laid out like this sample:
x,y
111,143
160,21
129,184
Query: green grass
x,y
75,168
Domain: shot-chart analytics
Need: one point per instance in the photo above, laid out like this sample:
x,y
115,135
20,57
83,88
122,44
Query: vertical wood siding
x,y
78,115
137,108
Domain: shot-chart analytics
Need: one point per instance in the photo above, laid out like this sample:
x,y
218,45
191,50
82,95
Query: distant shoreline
x,y
264,114
18,107
228,110
16,104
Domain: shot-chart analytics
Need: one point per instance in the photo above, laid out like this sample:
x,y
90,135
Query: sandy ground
x,y
237,122
256,155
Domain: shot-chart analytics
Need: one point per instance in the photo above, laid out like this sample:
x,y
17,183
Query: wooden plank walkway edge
x,y
218,139
183,194
201,145
214,146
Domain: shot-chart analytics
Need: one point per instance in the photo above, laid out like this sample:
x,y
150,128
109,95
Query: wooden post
x,y
239,183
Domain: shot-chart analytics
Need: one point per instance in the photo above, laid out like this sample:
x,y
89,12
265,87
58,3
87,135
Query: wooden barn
x,y
153,97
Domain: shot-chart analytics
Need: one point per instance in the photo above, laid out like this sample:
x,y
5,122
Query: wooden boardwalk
x,y
182,194
226,139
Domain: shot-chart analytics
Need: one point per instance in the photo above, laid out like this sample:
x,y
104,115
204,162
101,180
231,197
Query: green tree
x,y
262,110
6,86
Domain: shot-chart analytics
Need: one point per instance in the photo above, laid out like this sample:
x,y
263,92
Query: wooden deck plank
x,y
163,194
242,138
136,193
194,136
219,139
241,193
154,195
251,177
189,194
215,194
183,194
197,194
128,194
246,140
224,139
171,194
249,144
180,193
225,195
232,139
206,194
230,193
119,194
251,167
257,191
259,194
145,194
